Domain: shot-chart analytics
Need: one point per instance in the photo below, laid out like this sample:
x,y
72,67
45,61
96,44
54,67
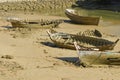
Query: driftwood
x,y
92,56
88,20
66,40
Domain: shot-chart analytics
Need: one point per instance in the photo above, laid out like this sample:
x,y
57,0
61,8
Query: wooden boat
x,y
17,22
93,32
81,19
90,57
66,40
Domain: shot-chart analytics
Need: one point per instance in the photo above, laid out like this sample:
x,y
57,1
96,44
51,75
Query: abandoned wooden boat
x,y
88,20
17,22
90,57
66,40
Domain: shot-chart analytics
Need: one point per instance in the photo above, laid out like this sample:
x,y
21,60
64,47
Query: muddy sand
x,y
29,54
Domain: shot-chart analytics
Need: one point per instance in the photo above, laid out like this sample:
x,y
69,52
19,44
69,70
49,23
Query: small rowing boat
x,y
88,20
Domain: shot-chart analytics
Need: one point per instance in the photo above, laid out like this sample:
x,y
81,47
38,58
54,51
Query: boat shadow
x,y
69,21
49,44
8,27
73,60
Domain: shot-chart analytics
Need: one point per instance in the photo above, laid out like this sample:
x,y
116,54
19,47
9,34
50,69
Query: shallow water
x,y
106,15
110,19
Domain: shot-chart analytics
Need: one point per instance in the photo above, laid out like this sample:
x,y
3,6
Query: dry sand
x,y
32,59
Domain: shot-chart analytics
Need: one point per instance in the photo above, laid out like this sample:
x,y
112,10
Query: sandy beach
x,y
29,54
32,59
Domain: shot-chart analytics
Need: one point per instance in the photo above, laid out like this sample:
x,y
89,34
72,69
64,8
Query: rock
x,y
7,57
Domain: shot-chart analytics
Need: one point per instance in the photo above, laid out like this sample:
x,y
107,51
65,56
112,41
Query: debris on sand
x,y
10,65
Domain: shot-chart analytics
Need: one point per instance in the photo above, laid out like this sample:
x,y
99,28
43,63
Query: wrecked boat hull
x,y
66,40
89,58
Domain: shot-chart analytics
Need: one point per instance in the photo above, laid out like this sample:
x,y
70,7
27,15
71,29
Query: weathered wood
x,y
90,57
66,40
17,22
